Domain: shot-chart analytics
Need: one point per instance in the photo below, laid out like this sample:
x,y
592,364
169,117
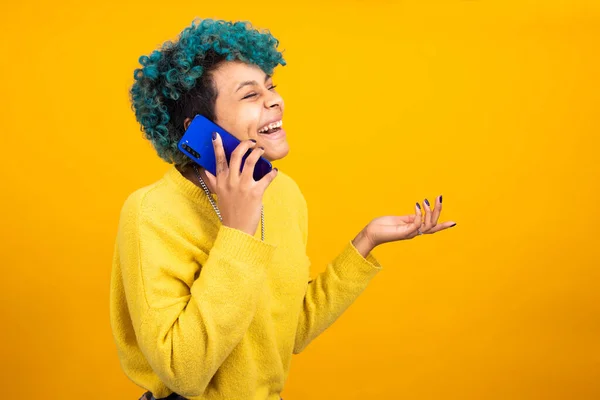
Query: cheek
x,y
229,121
248,120
241,121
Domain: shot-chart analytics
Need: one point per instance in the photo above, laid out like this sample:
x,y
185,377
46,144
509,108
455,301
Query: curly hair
x,y
175,81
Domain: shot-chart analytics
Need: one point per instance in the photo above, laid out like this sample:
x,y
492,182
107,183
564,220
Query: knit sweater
x,y
211,312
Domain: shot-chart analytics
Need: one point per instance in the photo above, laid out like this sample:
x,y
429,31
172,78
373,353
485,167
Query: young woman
x,y
210,289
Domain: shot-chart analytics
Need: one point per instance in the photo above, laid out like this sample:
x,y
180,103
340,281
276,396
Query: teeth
x,y
274,125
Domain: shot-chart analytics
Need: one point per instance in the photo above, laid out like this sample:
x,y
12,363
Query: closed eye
x,y
256,94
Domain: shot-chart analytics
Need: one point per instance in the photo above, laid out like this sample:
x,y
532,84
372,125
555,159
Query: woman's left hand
x,y
394,228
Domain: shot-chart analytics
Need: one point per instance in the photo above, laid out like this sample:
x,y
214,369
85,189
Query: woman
x,y
204,304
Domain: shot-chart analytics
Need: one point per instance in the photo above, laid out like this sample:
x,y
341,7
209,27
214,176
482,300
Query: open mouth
x,y
271,128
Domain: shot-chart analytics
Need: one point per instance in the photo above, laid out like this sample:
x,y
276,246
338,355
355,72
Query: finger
x,y
211,179
443,226
416,224
248,170
427,222
266,180
437,210
236,156
220,159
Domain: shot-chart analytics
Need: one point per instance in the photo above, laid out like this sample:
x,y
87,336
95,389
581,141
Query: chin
x,y
277,154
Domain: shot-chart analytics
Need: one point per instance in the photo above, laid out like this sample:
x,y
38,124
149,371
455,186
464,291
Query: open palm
x,y
393,228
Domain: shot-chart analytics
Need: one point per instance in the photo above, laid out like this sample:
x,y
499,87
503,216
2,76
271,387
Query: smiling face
x,y
248,107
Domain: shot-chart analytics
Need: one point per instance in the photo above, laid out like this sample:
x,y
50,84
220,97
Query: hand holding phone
x,y
236,171
239,196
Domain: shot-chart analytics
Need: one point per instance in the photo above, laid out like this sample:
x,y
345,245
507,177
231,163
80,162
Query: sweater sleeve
x,y
333,290
187,324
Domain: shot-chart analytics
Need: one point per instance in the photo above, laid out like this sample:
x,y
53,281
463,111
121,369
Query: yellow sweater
x,y
210,312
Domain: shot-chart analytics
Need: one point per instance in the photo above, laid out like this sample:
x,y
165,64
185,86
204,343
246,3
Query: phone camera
x,y
190,150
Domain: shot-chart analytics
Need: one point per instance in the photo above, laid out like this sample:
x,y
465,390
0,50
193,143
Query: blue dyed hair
x,y
175,83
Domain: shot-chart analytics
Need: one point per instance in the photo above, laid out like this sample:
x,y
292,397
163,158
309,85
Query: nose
x,y
274,101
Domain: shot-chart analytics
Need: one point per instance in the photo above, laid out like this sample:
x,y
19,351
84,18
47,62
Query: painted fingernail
x,y
276,169
419,206
214,135
262,148
252,140
427,202
454,224
440,198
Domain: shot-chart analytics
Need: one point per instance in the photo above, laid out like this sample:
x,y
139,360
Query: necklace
x,y
214,205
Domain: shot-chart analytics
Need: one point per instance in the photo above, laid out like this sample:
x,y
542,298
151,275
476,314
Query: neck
x,y
189,173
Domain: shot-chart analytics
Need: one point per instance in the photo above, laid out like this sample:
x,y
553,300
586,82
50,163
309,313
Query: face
x,y
248,107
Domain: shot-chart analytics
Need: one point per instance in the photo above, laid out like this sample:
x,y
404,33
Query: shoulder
x,y
163,210
287,186
142,199
157,206
293,195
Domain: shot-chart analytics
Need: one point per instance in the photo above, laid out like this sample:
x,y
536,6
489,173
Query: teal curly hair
x,y
175,83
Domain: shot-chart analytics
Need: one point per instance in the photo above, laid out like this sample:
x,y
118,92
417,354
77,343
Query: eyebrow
x,y
248,83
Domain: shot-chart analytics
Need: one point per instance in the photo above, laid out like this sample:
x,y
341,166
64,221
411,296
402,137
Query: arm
x,y
186,324
334,290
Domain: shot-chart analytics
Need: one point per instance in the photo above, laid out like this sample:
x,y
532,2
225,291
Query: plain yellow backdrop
x,y
493,104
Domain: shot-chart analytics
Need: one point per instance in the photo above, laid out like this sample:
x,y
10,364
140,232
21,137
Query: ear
x,y
187,123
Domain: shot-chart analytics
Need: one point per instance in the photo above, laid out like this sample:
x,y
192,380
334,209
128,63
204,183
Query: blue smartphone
x,y
197,144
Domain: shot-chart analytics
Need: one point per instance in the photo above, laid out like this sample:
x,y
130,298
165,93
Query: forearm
x,y
332,292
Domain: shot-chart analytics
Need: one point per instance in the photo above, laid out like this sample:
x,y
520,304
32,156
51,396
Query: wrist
x,y
362,243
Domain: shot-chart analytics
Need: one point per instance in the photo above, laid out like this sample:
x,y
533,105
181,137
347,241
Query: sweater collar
x,y
185,186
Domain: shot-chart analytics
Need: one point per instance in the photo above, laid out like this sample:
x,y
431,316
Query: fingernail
x,y
454,224
276,169
214,135
252,140
262,148
440,198
427,202
419,206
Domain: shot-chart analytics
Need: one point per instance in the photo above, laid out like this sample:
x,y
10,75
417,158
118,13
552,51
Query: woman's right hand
x,y
239,196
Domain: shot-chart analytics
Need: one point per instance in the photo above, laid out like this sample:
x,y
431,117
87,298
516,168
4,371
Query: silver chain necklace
x,y
214,205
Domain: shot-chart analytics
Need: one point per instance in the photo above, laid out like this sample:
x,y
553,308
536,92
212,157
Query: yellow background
x,y
493,104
